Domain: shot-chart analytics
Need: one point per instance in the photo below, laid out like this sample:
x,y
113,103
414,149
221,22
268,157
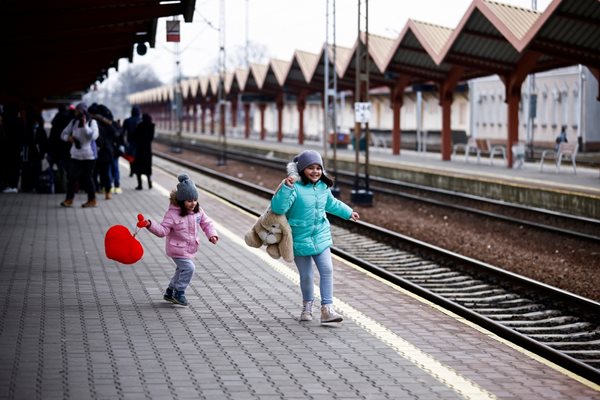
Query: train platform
x,y
76,325
574,192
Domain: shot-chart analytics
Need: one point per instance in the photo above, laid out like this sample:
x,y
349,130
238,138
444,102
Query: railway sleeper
x,y
553,321
390,253
587,356
463,294
591,347
408,272
521,309
537,315
514,301
463,288
561,329
465,283
404,265
428,280
481,303
428,277
424,267
580,336
371,246
398,264
390,259
489,299
593,363
416,264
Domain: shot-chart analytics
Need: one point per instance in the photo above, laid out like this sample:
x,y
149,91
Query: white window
x,y
477,111
522,108
574,105
543,109
555,107
565,101
500,106
483,109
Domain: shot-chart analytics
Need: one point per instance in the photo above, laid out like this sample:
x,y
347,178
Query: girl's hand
x,y
142,222
213,239
289,181
354,216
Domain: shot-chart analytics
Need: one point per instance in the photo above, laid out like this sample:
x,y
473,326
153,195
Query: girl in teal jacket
x,y
304,197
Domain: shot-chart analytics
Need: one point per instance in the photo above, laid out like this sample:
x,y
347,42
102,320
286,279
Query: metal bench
x,y
565,150
484,146
460,142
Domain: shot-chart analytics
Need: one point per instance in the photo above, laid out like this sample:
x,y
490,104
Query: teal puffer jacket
x,y
305,207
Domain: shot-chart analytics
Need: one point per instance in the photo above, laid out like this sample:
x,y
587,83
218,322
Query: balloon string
x,y
136,231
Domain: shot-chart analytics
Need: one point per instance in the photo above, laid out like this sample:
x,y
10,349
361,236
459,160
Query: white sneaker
x,y
10,190
328,314
306,314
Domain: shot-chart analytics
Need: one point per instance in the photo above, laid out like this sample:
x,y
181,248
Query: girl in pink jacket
x,y
181,225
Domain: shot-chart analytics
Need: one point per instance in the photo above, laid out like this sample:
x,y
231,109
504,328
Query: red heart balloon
x,y
120,245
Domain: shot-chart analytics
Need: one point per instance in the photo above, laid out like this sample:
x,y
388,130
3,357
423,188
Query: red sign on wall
x,y
173,31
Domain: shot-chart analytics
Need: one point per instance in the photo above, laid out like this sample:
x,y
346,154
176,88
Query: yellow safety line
x,y
446,375
486,332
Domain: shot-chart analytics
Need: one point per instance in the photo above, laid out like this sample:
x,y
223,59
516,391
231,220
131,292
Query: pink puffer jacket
x,y
183,232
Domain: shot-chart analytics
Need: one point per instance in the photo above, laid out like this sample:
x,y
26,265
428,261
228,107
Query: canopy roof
x,y
54,48
491,38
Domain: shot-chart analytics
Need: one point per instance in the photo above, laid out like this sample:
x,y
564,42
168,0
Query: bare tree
x,y
133,79
236,57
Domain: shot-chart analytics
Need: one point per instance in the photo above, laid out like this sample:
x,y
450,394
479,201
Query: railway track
x,y
567,225
557,325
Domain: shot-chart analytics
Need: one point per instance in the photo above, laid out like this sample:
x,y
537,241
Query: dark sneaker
x,y
168,296
179,298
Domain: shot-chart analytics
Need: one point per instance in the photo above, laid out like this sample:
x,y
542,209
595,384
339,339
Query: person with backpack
x,y
129,126
82,133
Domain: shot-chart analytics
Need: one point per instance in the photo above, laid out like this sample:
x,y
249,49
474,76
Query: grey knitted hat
x,y
186,190
306,158
81,107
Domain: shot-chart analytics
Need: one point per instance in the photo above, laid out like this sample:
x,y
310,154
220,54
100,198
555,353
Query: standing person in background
x,y
561,138
115,174
142,164
304,197
129,126
58,150
12,148
82,133
35,146
106,143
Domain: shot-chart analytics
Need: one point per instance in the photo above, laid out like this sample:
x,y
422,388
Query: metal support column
x,y
361,194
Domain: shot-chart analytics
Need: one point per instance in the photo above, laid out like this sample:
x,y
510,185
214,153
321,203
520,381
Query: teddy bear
x,y
273,231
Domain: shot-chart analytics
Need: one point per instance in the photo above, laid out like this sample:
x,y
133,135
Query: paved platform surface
x,y
75,325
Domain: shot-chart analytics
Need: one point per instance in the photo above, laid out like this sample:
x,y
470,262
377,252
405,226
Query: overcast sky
x,y
286,25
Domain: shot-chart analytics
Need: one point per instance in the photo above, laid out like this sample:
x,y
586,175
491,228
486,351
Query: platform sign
x,y
362,112
173,31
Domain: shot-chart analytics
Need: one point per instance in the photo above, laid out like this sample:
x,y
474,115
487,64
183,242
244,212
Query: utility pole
x,y
532,106
247,48
176,147
361,194
221,91
331,95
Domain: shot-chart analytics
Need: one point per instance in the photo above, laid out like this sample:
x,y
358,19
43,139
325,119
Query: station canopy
x,y
52,50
